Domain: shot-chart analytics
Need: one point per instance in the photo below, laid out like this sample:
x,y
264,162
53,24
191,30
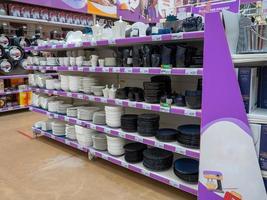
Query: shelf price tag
x,y
145,172
93,126
144,70
174,184
66,118
67,142
132,104
159,145
78,44
180,150
177,36
112,41
54,46
124,164
55,115
70,68
80,96
80,69
121,134
65,45
78,122
165,109
93,43
53,137
54,68
107,130
128,70
104,100
69,94
118,102
146,106
104,156
105,69
55,92
156,37
116,69
191,71
139,139
191,113
165,71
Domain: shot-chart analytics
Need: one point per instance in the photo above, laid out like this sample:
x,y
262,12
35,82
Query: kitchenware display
x,y
189,135
122,93
49,84
148,124
141,27
180,56
179,100
134,152
57,84
101,62
94,60
86,113
153,91
15,53
87,83
129,122
97,90
163,79
84,136
105,91
119,28
186,169
38,124
53,105
75,83
51,61
166,134
110,62
70,132
156,159
192,24
66,61
6,66
97,31
47,125
166,55
64,81
136,94
112,92
115,145
193,99
72,111
58,128
74,36
113,116
62,108
100,141
99,118
155,60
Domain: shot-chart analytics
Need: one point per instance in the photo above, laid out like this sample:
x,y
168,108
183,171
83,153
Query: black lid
x,y
156,153
186,166
134,147
193,93
189,129
129,117
148,117
166,134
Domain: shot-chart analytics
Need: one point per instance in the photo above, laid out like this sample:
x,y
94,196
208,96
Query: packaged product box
x,y
23,98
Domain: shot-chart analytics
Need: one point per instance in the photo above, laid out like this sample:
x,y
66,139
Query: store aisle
x,y
46,170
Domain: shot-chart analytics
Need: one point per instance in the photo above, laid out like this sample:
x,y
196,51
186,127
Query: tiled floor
x,y
46,170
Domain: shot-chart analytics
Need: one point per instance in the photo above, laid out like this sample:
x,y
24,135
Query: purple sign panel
x,y
71,5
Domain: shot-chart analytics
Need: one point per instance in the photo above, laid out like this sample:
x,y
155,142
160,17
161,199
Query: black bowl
x,y
186,169
167,134
193,99
134,152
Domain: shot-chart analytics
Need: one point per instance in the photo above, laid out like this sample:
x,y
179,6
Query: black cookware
x,y
180,56
148,124
155,60
163,79
157,159
146,55
6,66
129,122
189,135
137,61
167,134
193,99
166,55
122,93
179,100
134,152
15,53
2,52
186,169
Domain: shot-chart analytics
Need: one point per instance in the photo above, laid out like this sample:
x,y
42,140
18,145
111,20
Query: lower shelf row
x,y
167,176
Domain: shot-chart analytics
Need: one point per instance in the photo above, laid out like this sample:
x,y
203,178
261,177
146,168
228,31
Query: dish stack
x,y
53,105
49,84
72,111
167,135
99,118
58,128
86,113
97,90
115,145
186,169
153,91
189,135
129,123
157,159
100,142
87,83
75,83
84,136
64,82
166,80
70,132
113,116
134,152
148,124
62,108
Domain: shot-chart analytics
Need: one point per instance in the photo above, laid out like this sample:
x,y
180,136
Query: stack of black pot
x,y
131,93
189,135
148,124
186,169
129,122
159,86
134,152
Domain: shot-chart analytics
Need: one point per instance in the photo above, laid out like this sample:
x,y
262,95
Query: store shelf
x,y
258,116
14,76
14,92
125,103
151,141
183,36
7,18
254,60
12,108
124,70
167,177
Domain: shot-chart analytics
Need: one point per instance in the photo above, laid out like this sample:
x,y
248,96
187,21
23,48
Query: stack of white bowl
x,y
115,145
86,113
58,128
44,101
99,117
47,125
97,90
64,82
87,83
70,132
57,84
72,111
113,116
53,105
62,108
75,83
50,84
35,100
100,141
84,136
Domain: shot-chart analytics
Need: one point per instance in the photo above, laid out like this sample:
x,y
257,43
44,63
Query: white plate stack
x,y
70,132
57,84
49,84
87,83
84,136
86,113
113,116
75,83
72,111
100,141
62,108
58,128
64,82
115,145
47,125
53,105
97,90
99,117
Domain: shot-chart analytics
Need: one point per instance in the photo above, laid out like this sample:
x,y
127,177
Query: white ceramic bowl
x,y
115,145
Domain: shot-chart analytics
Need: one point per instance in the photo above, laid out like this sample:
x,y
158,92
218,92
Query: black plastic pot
x,y
167,134
193,99
186,169
134,152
